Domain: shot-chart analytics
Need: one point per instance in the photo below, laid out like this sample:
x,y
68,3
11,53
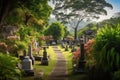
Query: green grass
x,y
47,69
68,56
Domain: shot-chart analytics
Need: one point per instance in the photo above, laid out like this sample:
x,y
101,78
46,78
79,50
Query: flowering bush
x,y
3,47
89,46
76,54
46,38
11,38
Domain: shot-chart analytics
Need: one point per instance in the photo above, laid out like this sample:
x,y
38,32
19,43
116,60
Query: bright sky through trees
x,y
116,8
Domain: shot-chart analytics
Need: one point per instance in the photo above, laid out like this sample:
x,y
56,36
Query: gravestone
x,y
30,54
62,45
24,53
80,68
73,48
44,60
71,44
27,66
66,48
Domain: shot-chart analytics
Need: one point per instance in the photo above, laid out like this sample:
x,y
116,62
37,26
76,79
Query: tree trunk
x,y
75,33
5,6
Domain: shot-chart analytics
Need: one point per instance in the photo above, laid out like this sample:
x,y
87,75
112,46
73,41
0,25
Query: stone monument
x,y
80,68
66,48
30,54
44,60
27,66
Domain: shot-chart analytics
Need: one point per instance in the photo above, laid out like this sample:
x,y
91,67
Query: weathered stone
x,y
30,54
27,66
27,63
44,59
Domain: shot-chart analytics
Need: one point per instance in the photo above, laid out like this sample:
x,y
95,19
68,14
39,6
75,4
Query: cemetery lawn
x,y
46,69
52,62
68,56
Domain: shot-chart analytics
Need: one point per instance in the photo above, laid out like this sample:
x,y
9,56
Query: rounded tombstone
x,y
27,63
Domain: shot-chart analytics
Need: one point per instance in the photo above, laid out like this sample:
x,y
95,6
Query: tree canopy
x,y
56,29
68,11
38,11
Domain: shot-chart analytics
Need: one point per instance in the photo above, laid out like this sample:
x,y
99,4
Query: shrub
x,y
106,53
8,68
107,48
116,75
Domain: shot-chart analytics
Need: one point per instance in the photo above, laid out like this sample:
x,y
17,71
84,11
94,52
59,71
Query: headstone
x,y
44,59
24,53
66,48
27,66
36,46
73,48
62,45
30,54
70,44
81,62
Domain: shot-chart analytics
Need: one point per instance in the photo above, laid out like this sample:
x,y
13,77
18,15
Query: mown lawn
x,y
45,69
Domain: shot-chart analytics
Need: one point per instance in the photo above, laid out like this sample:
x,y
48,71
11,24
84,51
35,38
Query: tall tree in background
x,y
56,29
68,11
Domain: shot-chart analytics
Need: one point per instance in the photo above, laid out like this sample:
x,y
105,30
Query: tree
x,y
35,10
69,11
56,29
66,31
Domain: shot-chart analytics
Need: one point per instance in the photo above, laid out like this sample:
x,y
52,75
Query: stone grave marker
x,y
44,60
27,66
30,54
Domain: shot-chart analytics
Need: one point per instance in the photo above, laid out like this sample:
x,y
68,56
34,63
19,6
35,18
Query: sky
x,y
116,8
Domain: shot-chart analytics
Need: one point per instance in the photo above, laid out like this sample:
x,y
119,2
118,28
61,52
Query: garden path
x,y
60,70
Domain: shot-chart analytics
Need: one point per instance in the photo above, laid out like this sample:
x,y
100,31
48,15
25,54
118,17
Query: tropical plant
x,y
8,68
116,75
107,49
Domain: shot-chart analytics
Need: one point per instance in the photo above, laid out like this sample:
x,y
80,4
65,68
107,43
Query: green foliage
x,y
107,46
16,16
70,11
81,31
22,32
27,33
109,37
8,68
56,30
66,32
21,45
116,75
24,10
